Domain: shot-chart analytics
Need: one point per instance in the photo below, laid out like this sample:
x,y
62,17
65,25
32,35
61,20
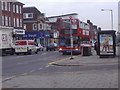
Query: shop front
x,y
41,37
18,34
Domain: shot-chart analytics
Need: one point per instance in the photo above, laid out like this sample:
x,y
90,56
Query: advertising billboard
x,y
106,44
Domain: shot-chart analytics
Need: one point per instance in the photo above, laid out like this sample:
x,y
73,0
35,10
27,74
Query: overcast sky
x,y
87,10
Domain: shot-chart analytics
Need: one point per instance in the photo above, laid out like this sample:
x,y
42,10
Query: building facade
x,y
94,31
12,17
35,25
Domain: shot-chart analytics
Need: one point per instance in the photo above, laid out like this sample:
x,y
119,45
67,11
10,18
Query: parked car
x,y
41,48
51,46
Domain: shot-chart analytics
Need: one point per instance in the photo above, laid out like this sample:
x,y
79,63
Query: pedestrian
x,y
96,47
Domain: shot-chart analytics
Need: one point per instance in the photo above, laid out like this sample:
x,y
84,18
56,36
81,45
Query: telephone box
x,y
106,43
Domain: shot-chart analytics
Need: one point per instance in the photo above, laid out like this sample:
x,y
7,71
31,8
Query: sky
x,y
86,9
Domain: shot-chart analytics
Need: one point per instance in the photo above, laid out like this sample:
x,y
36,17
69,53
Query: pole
x,y
71,38
111,19
111,16
0,14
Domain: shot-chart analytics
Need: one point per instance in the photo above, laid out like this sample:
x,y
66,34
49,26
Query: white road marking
x,y
24,74
39,68
31,71
43,53
47,66
20,56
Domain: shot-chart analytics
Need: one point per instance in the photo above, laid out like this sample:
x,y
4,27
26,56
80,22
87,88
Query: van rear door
x,y
20,46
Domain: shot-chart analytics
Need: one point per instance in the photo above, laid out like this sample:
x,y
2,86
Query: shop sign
x,y
19,31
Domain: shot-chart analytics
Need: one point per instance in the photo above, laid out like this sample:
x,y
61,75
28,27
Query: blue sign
x,y
36,34
47,34
40,34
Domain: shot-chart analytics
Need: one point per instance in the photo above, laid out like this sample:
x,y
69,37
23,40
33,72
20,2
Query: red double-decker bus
x,y
80,32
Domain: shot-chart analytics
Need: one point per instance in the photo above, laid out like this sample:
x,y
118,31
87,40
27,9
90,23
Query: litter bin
x,y
86,50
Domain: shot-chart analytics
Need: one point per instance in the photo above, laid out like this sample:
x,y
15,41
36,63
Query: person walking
x,y
96,47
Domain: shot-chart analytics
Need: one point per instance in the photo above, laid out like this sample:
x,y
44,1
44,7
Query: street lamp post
x,y
71,37
0,14
111,16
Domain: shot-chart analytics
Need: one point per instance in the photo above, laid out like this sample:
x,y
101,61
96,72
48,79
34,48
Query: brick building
x,y
11,17
35,25
94,31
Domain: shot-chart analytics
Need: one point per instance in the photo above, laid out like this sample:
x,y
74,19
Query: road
x,y
36,71
16,65
39,63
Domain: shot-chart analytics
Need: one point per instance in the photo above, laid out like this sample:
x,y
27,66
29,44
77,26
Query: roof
x,y
13,1
9,0
31,9
63,15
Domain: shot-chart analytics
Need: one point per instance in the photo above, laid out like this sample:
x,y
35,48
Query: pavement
x,y
75,79
80,60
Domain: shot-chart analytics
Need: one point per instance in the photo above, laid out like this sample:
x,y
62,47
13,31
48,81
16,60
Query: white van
x,y
25,46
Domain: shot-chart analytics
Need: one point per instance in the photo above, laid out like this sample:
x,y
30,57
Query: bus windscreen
x,y
66,41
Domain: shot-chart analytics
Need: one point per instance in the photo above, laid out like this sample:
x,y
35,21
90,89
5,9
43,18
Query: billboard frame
x,y
112,43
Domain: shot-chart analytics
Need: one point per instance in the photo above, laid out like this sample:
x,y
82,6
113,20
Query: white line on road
x,y
47,66
24,74
20,56
31,71
39,68
43,53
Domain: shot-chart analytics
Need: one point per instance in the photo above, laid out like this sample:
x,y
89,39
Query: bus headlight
x,y
60,48
76,49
